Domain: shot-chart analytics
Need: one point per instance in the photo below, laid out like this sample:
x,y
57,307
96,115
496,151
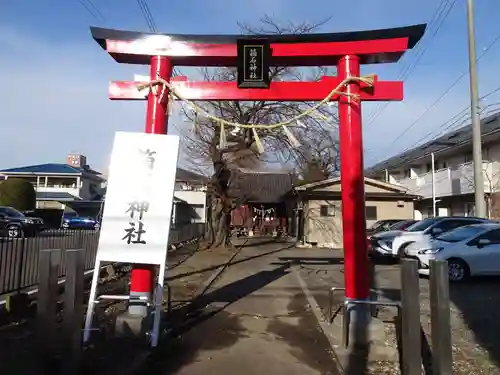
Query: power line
x,y
440,15
441,97
146,12
92,9
459,118
148,16
407,69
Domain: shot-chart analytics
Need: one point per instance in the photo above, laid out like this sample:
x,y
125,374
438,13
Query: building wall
x,y
197,201
453,173
88,188
50,204
327,230
458,205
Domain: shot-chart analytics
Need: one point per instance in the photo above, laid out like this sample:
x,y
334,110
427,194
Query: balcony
x,y
454,181
53,189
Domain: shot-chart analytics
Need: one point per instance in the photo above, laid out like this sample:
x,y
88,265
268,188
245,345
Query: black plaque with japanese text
x,y
253,63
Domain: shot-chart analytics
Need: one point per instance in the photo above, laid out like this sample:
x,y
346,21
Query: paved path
x,y
258,322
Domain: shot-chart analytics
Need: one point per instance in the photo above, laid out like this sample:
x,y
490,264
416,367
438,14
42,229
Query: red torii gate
x,y
346,50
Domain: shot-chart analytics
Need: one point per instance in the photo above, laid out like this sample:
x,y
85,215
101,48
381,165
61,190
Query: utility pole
x,y
477,155
433,167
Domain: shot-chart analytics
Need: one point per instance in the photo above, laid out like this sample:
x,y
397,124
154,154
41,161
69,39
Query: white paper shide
x,y
138,207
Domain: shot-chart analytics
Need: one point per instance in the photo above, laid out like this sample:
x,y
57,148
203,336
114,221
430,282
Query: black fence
x,y
19,257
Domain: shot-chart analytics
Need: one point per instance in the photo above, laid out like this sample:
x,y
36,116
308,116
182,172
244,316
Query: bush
x,y
18,193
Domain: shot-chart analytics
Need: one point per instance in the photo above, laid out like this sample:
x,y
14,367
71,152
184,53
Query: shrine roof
x,y
262,187
373,46
189,176
413,33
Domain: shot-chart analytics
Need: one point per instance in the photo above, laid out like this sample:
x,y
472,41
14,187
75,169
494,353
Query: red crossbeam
x,y
284,54
279,91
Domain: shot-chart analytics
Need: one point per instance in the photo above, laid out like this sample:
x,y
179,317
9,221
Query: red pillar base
x,y
141,289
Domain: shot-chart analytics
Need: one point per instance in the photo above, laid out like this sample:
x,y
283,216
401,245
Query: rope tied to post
x,y
368,80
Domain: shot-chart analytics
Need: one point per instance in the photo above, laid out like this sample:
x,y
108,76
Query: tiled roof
x,y
188,176
45,168
458,137
262,187
55,196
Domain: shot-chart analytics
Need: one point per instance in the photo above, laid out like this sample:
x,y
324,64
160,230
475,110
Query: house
x,y
59,184
75,186
453,175
321,202
190,198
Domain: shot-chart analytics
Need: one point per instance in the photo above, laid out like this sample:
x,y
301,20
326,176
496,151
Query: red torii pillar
x,y
345,50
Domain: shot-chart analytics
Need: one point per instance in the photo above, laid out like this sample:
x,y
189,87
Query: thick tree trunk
x,y
220,223
220,208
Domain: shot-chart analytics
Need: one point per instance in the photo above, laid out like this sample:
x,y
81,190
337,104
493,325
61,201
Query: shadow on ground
x,y
214,267
357,361
215,327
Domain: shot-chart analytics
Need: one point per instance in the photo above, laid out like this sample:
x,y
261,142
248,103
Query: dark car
x,y
402,225
72,221
15,224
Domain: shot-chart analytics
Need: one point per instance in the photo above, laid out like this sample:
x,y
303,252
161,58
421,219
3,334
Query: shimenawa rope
x,y
368,80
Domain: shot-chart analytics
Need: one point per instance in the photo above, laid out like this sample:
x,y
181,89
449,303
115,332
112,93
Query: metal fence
x,y
19,257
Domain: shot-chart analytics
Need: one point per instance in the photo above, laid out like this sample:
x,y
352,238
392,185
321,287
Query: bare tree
x,y
318,157
241,148
491,175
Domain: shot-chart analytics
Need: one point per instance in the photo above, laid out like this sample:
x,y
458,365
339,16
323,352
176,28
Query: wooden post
x,y
440,318
410,319
73,311
48,269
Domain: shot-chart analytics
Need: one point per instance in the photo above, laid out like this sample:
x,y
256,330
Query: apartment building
x,y
453,177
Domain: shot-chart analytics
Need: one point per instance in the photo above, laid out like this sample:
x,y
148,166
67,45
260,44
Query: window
x,y
461,234
470,209
327,210
377,224
493,236
429,167
422,225
10,212
371,213
447,225
61,182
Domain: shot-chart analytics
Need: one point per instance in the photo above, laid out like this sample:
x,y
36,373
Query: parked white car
x,y
394,243
470,250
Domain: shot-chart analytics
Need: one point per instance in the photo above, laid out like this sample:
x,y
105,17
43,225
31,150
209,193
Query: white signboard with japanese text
x,y
138,207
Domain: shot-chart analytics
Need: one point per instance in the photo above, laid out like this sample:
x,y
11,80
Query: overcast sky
x,y
54,76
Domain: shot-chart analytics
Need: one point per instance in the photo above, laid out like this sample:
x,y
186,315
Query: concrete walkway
x,y
256,320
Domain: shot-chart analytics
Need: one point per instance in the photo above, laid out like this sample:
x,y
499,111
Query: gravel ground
x,y
17,338
188,269
475,321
